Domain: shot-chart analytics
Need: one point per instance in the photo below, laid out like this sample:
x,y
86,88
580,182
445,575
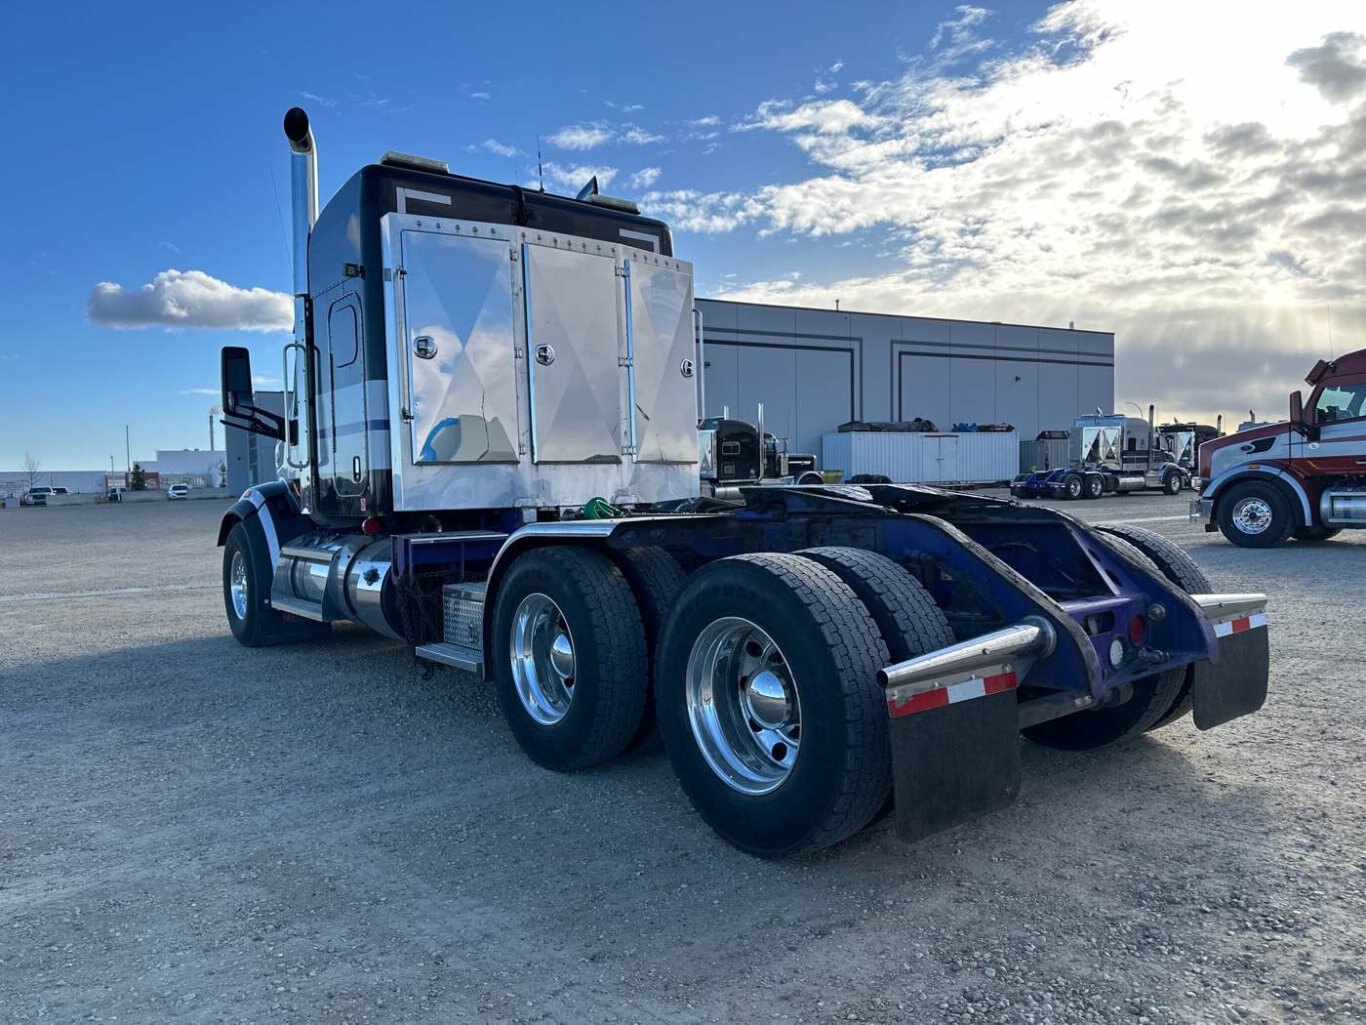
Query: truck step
x,y
298,607
457,655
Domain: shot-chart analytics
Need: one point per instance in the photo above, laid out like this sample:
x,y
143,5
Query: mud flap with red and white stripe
x,y
1235,683
955,749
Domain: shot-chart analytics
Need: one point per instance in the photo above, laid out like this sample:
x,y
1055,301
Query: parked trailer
x,y
485,370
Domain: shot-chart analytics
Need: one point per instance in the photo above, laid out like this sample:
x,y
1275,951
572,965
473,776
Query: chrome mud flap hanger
x,y
1234,681
955,725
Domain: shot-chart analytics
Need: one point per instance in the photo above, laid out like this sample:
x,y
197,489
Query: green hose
x,y
599,509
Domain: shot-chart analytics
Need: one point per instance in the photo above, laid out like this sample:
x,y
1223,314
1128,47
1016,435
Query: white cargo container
x,y
981,457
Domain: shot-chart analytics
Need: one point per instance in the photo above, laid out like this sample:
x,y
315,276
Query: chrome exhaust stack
x,y
303,195
292,454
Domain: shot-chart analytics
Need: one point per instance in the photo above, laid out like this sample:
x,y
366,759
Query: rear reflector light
x,y
1136,630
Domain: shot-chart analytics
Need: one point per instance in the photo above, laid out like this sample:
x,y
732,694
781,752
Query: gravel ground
x,y
194,832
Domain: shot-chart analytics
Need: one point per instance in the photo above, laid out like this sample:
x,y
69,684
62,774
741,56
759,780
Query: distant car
x,y
178,491
114,495
60,491
36,496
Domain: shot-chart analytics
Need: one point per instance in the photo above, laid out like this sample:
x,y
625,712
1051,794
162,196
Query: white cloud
x,y
190,299
501,149
639,137
481,95
580,137
200,391
598,133
323,101
826,80
703,212
1125,170
957,37
644,178
571,178
827,117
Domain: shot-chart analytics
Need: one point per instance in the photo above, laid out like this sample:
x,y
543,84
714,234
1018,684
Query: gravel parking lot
x,y
194,832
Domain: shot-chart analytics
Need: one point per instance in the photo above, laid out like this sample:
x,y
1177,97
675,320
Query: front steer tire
x,y
1266,501
250,618
604,692
830,645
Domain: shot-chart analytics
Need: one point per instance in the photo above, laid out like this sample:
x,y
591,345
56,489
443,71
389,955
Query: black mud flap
x,y
1237,685
954,762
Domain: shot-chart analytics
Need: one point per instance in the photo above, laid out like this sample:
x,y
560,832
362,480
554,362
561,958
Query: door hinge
x,y
626,361
624,271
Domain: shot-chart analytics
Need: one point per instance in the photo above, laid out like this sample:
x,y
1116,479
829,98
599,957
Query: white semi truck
x,y
490,452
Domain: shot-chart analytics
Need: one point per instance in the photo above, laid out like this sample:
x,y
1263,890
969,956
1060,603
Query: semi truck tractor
x,y
489,452
1112,454
733,454
1182,441
1304,478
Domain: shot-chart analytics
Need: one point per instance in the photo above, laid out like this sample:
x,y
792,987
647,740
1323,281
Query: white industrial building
x,y
814,369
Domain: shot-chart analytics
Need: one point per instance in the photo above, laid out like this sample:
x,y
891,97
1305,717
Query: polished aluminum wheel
x,y
542,659
1252,515
743,706
237,584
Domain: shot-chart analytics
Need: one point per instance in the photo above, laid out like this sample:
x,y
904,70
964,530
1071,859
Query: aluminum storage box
x,y
984,457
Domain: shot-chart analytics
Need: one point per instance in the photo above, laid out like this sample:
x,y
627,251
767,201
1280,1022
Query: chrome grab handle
x,y
292,406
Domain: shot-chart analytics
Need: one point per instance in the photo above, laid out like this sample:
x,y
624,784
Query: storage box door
x,y
574,356
662,344
460,348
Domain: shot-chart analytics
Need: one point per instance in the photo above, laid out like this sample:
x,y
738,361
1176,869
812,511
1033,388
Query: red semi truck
x,y
1305,478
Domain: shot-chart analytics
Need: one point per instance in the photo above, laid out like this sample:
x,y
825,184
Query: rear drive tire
x,y
907,617
1093,486
1255,515
1310,535
1073,487
909,621
247,573
1178,567
656,579
769,704
568,657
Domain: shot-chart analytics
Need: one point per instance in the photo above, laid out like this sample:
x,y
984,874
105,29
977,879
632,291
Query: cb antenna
x,y
1331,354
540,171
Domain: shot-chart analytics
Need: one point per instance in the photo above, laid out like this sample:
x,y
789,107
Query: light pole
x,y
127,451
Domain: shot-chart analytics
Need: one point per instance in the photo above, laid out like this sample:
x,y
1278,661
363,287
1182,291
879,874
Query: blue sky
x,y
1008,162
